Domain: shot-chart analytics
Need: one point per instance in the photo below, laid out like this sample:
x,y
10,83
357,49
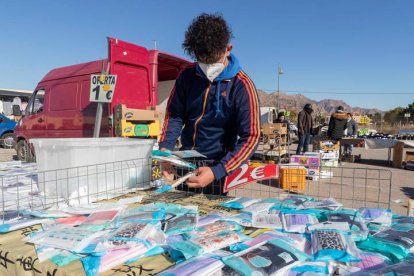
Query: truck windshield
x,y
35,104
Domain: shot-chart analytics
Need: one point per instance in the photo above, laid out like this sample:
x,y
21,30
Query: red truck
x,y
60,106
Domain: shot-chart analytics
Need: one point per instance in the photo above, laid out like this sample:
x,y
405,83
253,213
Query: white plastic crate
x,y
84,169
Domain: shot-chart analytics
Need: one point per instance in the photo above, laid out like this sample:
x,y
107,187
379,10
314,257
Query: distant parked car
x,y
6,131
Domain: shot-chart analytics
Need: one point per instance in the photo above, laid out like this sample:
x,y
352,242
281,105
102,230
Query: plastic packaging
x,y
266,220
239,202
311,269
258,207
297,221
371,261
215,227
270,258
244,219
212,217
405,268
328,203
129,235
356,223
65,237
205,265
267,236
181,224
21,223
292,202
376,215
209,243
100,220
333,245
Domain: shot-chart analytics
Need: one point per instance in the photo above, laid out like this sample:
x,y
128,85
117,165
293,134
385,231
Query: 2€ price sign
x,y
250,172
102,88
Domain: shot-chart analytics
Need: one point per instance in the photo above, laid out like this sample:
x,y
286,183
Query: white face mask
x,y
213,70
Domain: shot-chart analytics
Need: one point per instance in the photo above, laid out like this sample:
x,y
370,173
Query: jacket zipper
x,y
202,114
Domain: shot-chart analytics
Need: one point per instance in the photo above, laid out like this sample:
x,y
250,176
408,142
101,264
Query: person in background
x,y
350,131
337,124
305,126
281,118
214,106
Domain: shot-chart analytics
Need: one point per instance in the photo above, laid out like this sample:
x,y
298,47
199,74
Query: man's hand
x,y
204,176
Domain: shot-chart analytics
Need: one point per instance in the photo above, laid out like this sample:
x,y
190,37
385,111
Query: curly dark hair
x,y
207,37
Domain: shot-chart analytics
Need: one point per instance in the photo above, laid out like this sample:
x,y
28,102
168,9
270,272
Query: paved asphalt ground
x,y
371,182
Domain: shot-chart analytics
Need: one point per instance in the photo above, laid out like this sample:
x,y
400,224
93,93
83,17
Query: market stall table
x,y
396,145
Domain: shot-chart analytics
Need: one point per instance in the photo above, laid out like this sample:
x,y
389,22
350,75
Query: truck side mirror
x,y
16,110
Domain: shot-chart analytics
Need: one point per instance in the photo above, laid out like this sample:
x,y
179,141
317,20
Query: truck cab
x,y
60,107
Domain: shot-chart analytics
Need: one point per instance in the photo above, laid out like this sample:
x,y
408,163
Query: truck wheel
x,y
6,140
23,151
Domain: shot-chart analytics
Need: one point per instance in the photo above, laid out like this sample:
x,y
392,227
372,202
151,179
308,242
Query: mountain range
x,y
296,103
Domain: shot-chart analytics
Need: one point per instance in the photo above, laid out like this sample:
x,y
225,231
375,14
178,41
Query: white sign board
x,y
102,88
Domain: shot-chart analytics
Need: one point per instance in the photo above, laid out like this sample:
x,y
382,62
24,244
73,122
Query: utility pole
x,y
279,72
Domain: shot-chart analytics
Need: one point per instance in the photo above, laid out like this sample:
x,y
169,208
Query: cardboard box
x,y
329,155
313,172
329,163
327,146
125,128
130,114
274,129
326,174
307,161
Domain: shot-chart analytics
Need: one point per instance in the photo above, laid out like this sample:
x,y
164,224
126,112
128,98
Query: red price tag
x,y
248,173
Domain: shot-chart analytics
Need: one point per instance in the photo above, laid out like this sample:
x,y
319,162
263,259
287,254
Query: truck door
x,y
131,64
35,120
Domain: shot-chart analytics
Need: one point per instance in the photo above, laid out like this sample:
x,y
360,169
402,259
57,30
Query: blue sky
x,y
361,46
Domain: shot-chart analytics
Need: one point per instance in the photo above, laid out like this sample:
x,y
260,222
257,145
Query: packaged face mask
x,y
328,203
212,217
205,265
270,258
266,220
99,220
46,213
292,202
116,257
333,245
69,221
21,223
311,269
93,208
371,261
356,224
297,221
399,234
209,243
215,227
142,213
393,251
181,224
405,268
243,219
239,203
330,225
69,238
267,236
259,207
402,219
131,234
376,215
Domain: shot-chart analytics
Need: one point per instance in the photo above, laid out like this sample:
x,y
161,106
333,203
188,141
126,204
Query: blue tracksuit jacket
x,y
220,119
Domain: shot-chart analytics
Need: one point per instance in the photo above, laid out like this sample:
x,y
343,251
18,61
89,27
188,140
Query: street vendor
x,y
213,106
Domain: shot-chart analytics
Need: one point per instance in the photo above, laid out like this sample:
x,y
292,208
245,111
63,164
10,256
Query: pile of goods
x,y
297,235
